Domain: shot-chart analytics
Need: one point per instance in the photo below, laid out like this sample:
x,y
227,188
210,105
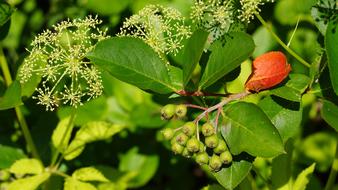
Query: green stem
x,y
294,54
333,173
55,161
20,116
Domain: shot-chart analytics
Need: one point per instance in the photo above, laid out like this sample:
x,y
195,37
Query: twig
x,y
198,93
195,106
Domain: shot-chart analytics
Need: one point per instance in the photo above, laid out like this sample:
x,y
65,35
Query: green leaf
x,y
73,184
62,133
132,61
29,183
89,174
93,131
303,178
331,46
192,53
147,116
27,166
254,133
263,40
226,56
230,177
9,155
4,30
329,113
12,97
285,115
294,88
144,167
5,12
295,9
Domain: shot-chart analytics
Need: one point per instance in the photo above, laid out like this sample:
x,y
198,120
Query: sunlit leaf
x,y
27,166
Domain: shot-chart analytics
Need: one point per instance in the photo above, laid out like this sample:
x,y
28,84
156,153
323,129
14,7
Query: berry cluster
x,y
208,149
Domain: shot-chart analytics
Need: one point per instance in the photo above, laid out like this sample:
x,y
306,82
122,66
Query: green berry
x,y
177,148
207,129
181,138
202,158
168,111
189,128
226,157
211,141
168,133
181,110
4,175
221,147
193,145
201,147
215,163
186,153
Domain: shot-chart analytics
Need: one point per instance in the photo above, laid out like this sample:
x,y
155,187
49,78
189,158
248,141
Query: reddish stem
x,y
198,93
196,106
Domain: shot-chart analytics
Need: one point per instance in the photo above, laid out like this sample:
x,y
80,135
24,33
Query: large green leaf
x,y
29,183
329,113
5,12
331,45
294,88
12,97
9,155
246,128
144,167
27,166
230,177
226,56
285,115
192,53
132,61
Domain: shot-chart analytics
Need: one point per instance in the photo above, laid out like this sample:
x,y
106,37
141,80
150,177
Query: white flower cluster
x,y
58,56
249,8
160,27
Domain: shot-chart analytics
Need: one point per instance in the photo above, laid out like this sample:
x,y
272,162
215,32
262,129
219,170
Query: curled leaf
x,y
269,70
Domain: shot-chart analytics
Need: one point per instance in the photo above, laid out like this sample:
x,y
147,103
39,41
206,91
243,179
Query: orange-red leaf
x,y
269,70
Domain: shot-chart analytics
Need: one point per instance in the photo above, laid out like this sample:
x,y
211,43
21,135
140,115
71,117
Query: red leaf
x,y
269,70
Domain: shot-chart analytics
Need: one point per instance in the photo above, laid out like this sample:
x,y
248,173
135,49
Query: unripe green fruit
x,y
215,162
168,111
4,175
226,157
193,145
202,158
181,110
221,147
181,138
207,129
211,141
177,148
189,128
168,133
186,153
201,147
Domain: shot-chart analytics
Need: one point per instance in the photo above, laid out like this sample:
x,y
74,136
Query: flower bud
x,y
189,128
186,153
207,129
168,111
211,141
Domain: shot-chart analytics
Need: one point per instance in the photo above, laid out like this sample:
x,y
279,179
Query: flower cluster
x,y
161,28
249,8
58,57
216,16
